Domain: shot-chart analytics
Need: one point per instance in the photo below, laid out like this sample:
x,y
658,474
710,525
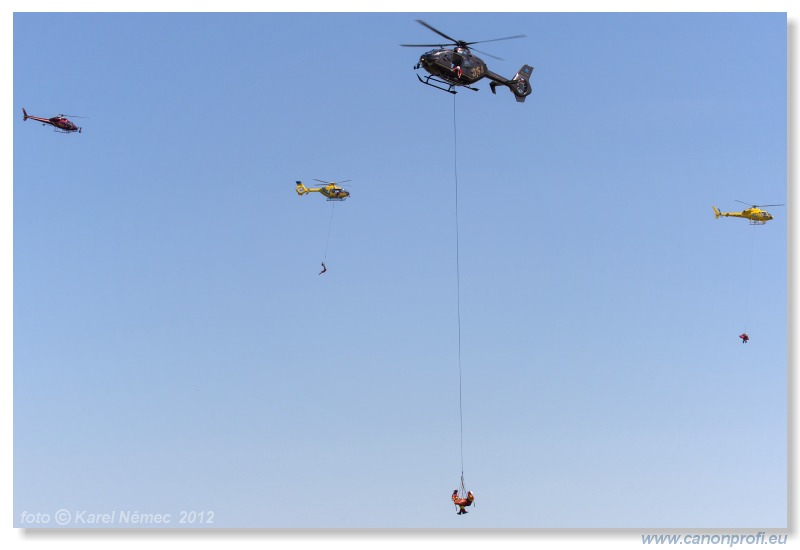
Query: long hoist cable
x,y
749,277
458,292
330,223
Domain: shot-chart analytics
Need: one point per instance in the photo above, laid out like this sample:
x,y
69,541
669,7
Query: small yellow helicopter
x,y
754,213
331,190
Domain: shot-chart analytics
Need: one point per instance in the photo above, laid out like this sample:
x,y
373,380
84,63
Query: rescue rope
x,y
749,277
330,223
458,296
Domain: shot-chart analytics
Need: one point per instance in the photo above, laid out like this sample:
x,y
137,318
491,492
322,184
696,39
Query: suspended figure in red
x,y
462,503
745,338
60,122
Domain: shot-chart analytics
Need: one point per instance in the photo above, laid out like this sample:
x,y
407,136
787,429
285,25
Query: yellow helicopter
x,y
331,190
754,213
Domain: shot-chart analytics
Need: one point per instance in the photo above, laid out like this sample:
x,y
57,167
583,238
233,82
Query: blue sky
x,y
175,348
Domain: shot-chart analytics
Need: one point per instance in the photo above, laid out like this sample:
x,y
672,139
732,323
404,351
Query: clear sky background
x,y
175,348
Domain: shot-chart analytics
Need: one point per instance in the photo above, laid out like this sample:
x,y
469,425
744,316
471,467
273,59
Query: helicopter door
x,y
445,61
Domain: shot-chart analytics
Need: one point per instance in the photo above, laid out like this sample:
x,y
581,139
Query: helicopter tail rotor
x,y
519,85
24,114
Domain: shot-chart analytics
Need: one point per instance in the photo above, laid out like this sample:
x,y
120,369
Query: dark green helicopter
x,y
457,66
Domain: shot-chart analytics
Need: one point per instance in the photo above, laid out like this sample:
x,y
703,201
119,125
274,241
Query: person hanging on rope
x,y
324,269
744,337
462,502
456,66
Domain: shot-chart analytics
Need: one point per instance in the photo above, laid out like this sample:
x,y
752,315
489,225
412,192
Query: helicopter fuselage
x,y
334,193
63,124
455,66
755,215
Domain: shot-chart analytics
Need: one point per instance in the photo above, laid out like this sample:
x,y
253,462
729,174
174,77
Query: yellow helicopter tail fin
x,y
301,189
716,212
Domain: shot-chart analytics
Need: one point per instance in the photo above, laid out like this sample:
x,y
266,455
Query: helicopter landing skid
x,y
449,88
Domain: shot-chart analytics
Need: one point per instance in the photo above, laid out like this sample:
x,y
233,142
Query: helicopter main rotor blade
x,y
437,31
497,39
331,182
487,54
426,45
758,205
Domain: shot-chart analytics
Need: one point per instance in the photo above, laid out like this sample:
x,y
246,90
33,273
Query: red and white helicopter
x,y
60,123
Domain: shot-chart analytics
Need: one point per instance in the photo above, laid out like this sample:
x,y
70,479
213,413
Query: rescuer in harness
x,y
462,503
